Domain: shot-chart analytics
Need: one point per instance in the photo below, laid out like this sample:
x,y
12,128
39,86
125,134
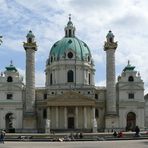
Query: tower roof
x,y
129,67
11,67
30,34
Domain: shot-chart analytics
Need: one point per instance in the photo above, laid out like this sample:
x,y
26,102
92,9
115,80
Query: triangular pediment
x,y
10,87
70,98
127,86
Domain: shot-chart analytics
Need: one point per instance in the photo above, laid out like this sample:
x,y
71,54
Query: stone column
x,y
48,112
110,48
93,113
110,83
29,118
65,117
76,117
94,121
111,107
85,118
48,121
57,118
30,48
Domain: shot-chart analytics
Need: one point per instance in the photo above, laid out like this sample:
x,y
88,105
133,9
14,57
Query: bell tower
x,y
111,111
30,48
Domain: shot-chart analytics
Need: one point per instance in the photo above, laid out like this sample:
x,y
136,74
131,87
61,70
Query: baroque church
x,y
70,100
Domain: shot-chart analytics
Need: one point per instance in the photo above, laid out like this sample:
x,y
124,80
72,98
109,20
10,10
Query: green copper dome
x,y
70,44
69,47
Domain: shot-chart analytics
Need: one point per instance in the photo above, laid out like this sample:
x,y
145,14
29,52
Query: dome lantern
x,y
69,29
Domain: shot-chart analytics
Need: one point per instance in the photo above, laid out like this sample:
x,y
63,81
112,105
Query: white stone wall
x,y
18,117
59,72
146,111
136,104
14,105
123,116
138,95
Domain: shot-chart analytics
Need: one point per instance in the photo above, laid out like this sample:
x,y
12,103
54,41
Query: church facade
x,y
70,100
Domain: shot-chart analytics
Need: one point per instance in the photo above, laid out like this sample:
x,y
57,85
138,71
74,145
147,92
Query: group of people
x,y
120,133
2,136
71,137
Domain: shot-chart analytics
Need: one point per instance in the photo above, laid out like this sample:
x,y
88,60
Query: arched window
x,y
96,113
44,114
111,40
70,76
51,79
29,40
89,78
130,79
9,79
88,59
96,96
70,55
70,33
51,59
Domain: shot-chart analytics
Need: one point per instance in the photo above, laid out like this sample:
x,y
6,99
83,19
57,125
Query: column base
x,y
47,130
94,130
29,122
111,122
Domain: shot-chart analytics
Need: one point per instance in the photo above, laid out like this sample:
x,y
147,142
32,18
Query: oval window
x,y
70,55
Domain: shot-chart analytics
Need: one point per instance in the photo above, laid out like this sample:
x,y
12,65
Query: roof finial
x,y
138,74
11,62
1,39
128,62
69,17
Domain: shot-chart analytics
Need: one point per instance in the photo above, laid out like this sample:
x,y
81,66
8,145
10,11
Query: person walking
x,y
137,130
2,136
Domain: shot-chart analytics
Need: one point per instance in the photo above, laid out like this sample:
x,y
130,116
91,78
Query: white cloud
x,y
40,78
101,83
92,18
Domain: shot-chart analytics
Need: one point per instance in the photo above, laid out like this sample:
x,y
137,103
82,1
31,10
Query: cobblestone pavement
x,y
88,144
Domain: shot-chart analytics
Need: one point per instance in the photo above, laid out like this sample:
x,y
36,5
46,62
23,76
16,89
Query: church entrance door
x,y
131,121
70,122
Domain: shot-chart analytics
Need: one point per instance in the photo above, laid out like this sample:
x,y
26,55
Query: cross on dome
x,y
69,17
128,62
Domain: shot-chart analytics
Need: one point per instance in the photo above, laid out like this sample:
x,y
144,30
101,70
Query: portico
x,y
70,111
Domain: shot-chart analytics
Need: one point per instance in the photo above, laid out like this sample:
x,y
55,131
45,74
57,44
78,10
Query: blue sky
x,y
128,20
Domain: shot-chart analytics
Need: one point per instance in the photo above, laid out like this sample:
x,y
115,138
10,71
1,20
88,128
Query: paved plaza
x,y
91,144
